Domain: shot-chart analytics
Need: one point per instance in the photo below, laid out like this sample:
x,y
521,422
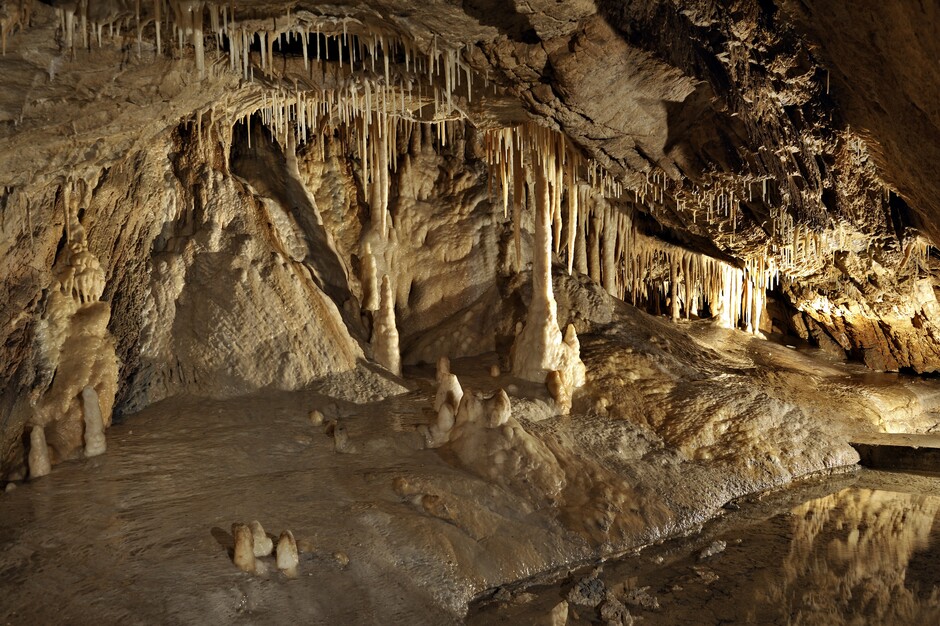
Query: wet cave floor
x,y
853,548
392,532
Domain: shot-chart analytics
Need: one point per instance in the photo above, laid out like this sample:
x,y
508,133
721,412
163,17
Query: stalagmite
x,y
498,409
446,403
385,333
370,284
95,443
244,556
574,370
287,559
39,464
534,349
443,368
470,410
448,392
261,543
559,391
539,348
439,431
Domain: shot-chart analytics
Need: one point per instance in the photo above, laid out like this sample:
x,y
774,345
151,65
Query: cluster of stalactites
x,y
83,22
643,270
797,249
717,202
13,14
511,151
366,117
599,239
565,165
308,114
430,72
437,74
918,249
78,273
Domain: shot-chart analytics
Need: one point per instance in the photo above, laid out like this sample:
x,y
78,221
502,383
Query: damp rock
x,y
502,595
305,546
716,547
341,442
589,591
614,613
640,597
558,615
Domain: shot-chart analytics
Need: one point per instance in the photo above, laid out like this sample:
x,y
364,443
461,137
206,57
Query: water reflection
x,y
861,555
849,558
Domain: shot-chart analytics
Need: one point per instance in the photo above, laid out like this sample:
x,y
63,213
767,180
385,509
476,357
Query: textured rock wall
x,y
225,276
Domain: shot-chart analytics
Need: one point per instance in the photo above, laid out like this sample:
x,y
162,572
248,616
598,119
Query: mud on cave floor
x,y
676,420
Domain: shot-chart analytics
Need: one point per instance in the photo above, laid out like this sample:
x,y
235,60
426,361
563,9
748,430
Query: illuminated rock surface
x,y
665,256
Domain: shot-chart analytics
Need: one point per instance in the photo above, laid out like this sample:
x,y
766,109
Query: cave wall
x,y
226,277
741,99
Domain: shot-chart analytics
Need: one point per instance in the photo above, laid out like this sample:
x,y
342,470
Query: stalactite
x,y
594,249
600,238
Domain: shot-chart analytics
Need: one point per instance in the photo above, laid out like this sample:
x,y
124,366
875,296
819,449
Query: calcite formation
x,y
385,333
287,559
95,443
38,453
244,553
612,211
261,543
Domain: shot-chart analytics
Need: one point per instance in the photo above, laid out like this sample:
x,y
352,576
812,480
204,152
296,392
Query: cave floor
x,y
142,533
859,547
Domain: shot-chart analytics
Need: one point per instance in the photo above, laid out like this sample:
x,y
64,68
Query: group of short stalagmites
x,y
455,408
252,544
95,443
332,428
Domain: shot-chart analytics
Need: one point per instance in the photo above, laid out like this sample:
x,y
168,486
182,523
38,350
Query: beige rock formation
x,y
215,216
244,554
95,443
287,560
